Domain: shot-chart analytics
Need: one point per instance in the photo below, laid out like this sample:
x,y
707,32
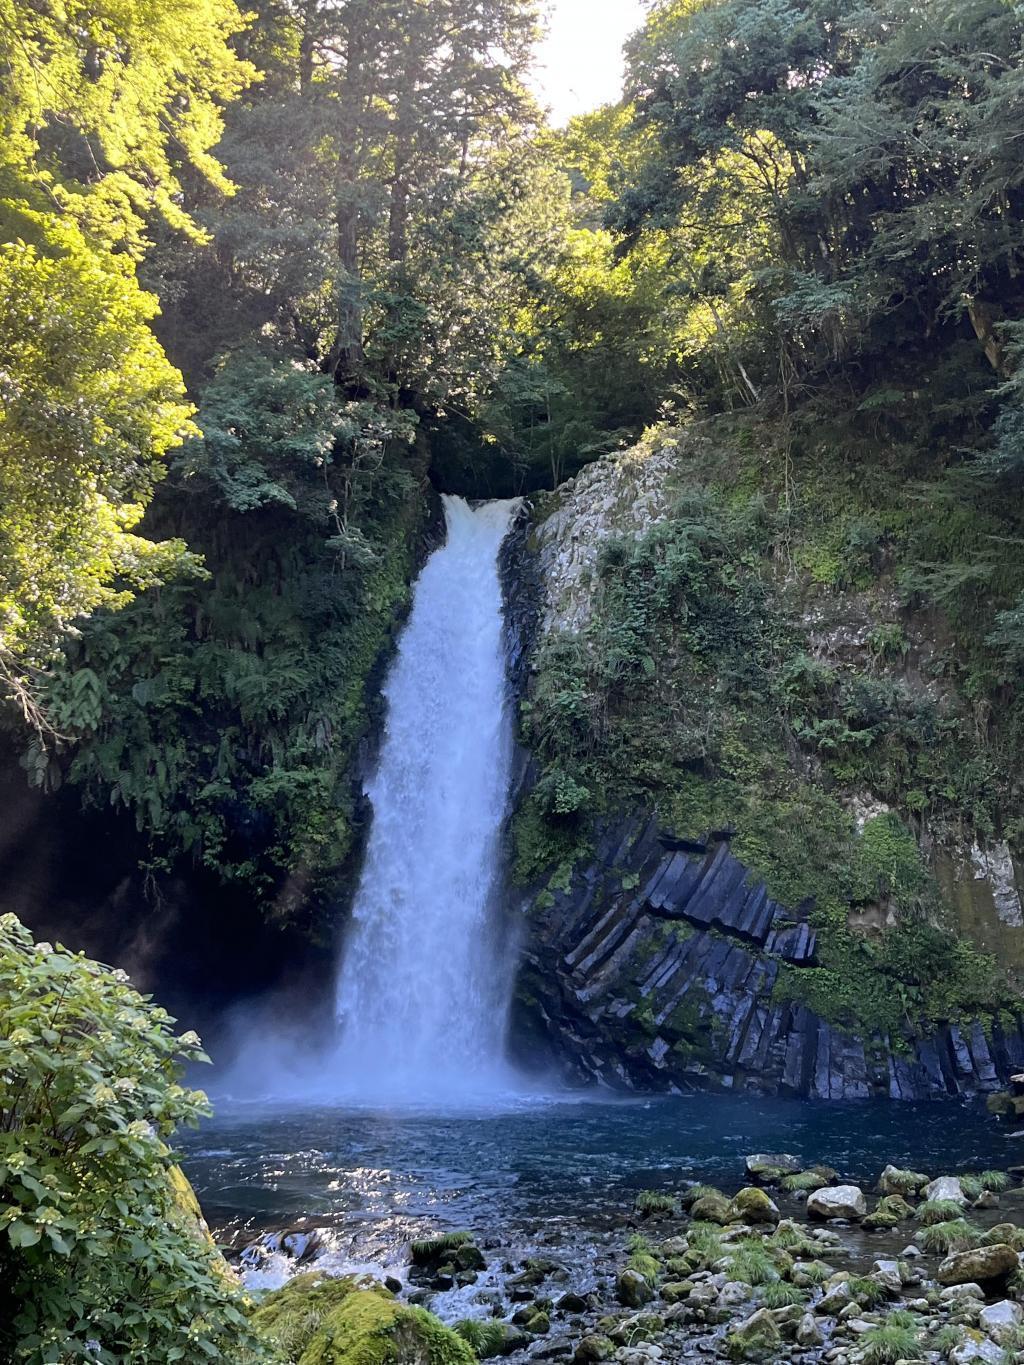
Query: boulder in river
x,y
313,1315
593,1349
838,1201
946,1188
1000,1319
632,1289
983,1265
756,1338
895,1180
752,1205
769,1167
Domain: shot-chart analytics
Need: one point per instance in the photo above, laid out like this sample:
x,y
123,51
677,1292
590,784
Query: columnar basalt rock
x,y
656,968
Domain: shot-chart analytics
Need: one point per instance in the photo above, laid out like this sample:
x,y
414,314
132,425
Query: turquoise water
x,y
379,1178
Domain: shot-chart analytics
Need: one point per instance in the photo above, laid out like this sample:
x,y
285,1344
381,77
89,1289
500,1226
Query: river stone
x,y
894,1180
838,1201
756,1338
889,1275
999,1319
834,1300
946,1187
808,1333
676,1290
632,1289
734,1293
975,1349
770,1167
962,1291
752,1205
979,1266
712,1207
593,1349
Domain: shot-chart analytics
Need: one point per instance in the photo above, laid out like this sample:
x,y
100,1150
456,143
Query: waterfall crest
x,y
423,987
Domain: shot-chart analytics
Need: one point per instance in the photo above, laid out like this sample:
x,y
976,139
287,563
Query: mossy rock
x,y
752,1205
712,1207
320,1321
758,1338
187,1214
890,1211
449,1246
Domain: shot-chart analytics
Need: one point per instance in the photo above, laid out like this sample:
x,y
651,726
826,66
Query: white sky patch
x,y
579,66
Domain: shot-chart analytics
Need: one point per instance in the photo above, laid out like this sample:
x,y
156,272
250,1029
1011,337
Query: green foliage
x,y
779,1294
90,408
807,1181
896,1339
100,1239
956,1234
433,1250
866,1291
486,1338
226,716
650,1202
642,1259
750,1264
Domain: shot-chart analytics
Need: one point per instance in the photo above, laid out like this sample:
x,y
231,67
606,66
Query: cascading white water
x,y
423,989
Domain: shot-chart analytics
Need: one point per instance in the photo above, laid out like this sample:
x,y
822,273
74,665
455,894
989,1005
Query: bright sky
x,y
579,67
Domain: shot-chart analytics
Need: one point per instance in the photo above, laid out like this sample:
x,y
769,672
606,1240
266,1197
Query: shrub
x,y
895,1339
779,1294
103,1255
938,1211
955,1235
866,1291
751,1264
650,1202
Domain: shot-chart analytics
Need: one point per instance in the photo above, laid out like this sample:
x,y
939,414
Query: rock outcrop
x,y
657,969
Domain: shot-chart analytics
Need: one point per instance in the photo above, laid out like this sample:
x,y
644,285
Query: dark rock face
x,y
656,969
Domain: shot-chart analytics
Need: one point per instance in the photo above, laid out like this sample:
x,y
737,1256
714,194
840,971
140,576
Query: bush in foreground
x,y
103,1254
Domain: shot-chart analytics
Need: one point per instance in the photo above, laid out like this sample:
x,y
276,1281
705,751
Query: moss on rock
x,y
314,1320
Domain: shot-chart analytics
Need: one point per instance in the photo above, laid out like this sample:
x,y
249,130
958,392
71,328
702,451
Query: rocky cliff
x,y
775,924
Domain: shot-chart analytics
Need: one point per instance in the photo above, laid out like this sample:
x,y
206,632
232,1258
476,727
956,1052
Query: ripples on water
x,y
380,1178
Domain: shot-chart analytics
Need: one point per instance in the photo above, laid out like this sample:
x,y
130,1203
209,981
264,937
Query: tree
x,y
90,406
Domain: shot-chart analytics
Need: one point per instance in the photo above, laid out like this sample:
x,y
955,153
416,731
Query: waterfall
x,y
424,983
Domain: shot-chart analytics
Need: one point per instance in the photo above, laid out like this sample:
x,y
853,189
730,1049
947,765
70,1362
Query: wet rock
x,y
733,1294
889,1275
752,1205
911,1253
999,1319
770,1167
946,1187
557,1349
982,1265
712,1207
632,1289
808,1333
956,1292
572,1303
676,1291
835,1299
976,1349
756,1338
895,1180
838,1201
392,1284
593,1349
